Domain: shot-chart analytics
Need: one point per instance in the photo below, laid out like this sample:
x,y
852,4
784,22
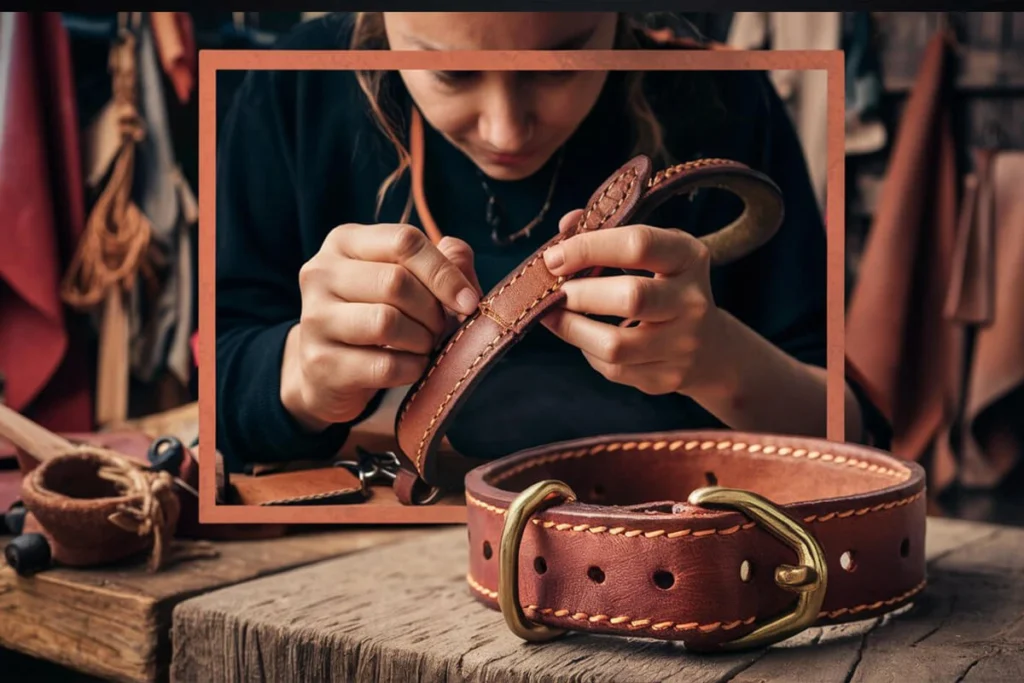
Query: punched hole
x,y
711,478
663,579
905,547
596,575
746,571
540,565
597,492
847,562
487,550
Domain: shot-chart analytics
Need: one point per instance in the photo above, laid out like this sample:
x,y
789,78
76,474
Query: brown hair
x,y
368,34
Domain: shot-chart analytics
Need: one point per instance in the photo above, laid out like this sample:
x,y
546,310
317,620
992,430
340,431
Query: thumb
x,y
569,219
461,254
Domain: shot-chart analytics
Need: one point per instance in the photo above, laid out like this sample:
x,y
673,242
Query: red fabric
x,y
41,192
897,340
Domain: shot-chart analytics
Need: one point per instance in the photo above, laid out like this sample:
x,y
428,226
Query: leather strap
x,y
632,557
520,300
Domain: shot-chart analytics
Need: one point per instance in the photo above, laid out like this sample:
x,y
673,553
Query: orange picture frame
x,y
212,61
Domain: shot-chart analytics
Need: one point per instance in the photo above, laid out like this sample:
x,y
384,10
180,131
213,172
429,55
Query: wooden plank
x,y
115,622
403,613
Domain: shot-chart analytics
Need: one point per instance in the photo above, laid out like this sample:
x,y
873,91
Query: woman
x,y
334,281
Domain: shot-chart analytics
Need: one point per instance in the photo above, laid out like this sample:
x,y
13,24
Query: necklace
x,y
495,214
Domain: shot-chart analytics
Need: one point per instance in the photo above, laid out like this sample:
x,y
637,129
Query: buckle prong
x,y
808,579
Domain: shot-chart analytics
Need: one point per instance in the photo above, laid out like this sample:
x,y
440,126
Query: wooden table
x,y
115,622
403,613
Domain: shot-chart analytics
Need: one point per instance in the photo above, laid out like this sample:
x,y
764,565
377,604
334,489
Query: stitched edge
x,y
690,533
667,173
644,623
726,444
558,282
314,496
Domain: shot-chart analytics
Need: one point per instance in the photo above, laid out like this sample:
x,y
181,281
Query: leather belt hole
x,y
663,579
847,562
711,478
905,547
746,571
487,550
596,574
598,492
540,565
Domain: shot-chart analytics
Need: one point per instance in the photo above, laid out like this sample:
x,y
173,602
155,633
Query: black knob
x,y
28,554
14,520
166,454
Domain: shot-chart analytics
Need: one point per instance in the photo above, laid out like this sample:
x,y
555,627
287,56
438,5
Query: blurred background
x,y
934,104
934,222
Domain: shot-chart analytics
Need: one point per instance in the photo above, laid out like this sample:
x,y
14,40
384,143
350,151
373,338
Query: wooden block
x,y
115,622
403,613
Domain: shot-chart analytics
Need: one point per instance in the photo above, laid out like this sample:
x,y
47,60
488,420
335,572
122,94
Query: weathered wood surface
x,y
403,613
115,622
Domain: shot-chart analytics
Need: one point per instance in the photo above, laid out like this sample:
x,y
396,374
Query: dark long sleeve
x,y
258,300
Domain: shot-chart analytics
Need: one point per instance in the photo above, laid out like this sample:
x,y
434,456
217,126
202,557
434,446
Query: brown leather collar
x,y
632,555
518,302
661,535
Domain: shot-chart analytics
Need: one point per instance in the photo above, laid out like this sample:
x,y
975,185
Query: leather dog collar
x,y
522,298
837,536
661,535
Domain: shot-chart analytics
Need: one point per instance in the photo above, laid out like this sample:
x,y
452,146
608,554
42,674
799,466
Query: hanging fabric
x,y
42,360
984,298
161,316
899,344
176,45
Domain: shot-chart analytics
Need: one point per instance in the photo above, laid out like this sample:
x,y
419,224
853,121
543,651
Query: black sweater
x,y
299,154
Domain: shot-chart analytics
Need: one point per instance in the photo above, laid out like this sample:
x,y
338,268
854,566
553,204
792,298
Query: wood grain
x,y
115,622
403,613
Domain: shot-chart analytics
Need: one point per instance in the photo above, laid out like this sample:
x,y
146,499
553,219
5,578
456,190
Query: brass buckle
x,y
526,504
808,580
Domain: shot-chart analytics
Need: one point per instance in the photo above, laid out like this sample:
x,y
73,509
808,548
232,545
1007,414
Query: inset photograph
x,y
427,259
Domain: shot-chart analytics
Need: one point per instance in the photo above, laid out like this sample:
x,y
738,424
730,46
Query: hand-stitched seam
x,y
789,451
688,166
689,533
488,311
558,283
314,496
631,623
447,348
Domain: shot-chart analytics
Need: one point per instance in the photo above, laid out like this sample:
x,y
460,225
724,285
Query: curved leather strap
x,y
525,295
632,557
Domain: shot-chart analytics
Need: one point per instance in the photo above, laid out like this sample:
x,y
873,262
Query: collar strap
x,y
623,535
518,302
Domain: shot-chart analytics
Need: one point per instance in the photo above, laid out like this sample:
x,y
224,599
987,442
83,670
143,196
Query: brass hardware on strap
x,y
526,504
809,579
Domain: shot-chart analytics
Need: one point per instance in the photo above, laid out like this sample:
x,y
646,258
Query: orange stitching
x,y
701,445
434,365
631,623
523,314
667,173
663,533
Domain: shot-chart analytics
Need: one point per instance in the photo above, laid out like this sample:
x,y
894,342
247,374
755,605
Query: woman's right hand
x,y
375,301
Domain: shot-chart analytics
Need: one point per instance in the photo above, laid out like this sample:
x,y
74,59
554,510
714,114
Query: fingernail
x,y
554,257
467,301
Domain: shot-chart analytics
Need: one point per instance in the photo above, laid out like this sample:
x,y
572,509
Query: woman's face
x,y
509,123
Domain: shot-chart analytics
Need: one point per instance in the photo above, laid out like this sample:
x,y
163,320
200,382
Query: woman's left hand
x,y
667,351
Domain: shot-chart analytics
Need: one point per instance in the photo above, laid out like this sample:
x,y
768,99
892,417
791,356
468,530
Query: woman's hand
x,y
375,301
675,308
